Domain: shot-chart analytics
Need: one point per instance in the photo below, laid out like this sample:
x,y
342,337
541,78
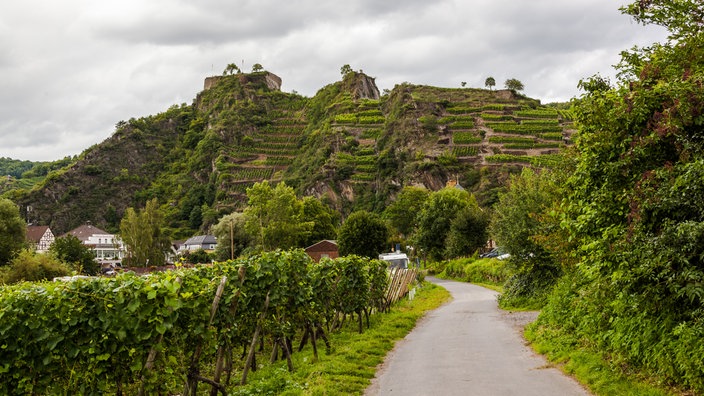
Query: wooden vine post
x,y
253,345
151,357
223,350
191,386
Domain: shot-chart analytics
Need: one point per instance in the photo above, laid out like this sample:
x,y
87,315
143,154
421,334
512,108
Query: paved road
x,y
468,347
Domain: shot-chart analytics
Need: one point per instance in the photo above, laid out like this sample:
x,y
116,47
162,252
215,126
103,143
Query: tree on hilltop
x,y
514,84
489,82
231,69
257,67
345,70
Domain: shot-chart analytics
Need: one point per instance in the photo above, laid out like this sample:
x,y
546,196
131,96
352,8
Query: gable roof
x,y
201,240
35,233
323,246
86,231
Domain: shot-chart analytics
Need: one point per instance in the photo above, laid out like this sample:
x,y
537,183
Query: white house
x,y
107,247
205,242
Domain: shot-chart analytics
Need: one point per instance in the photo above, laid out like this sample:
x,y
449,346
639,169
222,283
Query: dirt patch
x,y
519,319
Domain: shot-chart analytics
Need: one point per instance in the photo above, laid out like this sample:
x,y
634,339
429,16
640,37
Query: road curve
x,y
468,347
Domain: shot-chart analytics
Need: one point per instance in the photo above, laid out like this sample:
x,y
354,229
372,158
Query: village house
x,y
107,247
205,242
325,248
40,238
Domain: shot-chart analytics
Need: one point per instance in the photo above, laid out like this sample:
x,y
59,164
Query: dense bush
x,y
635,209
490,271
30,266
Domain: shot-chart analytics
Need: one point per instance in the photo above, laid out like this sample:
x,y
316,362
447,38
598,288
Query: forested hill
x,y
348,144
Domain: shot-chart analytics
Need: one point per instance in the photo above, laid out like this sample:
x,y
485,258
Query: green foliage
x,y
323,218
490,82
233,239
523,129
12,231
468,232
143,237
199,256
463,110
14,168
107,328
364,234
402,212
548,114
521,225
514,84
274,216
485,271
71,251
465,138
435,222
231,69
345,70
31,267
634,210
465,151
429,123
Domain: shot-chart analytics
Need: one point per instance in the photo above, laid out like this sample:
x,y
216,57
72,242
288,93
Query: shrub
x,y
32,267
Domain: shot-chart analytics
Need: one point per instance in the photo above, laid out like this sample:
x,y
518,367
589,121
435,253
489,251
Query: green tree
x,y
141,231
364,234
72,251
403,211
468,232
345,70
13,231
257,67
274,216
489,82
233,239
514,84
521,225
231,69
323,219
436,217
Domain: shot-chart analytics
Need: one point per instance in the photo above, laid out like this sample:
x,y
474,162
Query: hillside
x,y
347,144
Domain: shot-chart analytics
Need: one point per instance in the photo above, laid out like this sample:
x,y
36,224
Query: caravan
x,y
395,260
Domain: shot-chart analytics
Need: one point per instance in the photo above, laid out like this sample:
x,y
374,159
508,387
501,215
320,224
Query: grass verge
x,y
349,367
591,368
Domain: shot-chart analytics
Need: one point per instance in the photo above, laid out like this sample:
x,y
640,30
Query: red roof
x,y
326,245
35,233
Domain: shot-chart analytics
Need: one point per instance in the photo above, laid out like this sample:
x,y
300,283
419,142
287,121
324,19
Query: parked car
x,y
497,253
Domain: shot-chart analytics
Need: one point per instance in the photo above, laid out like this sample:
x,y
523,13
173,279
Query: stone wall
x,y
271,80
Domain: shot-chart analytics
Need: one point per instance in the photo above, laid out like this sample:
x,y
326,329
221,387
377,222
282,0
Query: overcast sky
x,y
71,69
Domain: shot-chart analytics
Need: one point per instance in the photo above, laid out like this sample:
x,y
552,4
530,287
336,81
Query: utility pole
x,y
232,243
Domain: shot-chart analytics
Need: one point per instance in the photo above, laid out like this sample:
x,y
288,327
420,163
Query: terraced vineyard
x,y
495,133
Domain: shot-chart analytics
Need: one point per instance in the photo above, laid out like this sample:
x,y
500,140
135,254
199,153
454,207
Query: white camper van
x,y
395,260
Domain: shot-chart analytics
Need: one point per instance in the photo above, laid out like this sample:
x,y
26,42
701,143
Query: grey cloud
x,y
70,71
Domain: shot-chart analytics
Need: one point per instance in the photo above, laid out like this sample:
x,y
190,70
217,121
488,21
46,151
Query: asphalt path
x,y
469,347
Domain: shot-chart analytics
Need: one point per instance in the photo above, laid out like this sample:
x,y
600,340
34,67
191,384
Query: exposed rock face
x,y
361,86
